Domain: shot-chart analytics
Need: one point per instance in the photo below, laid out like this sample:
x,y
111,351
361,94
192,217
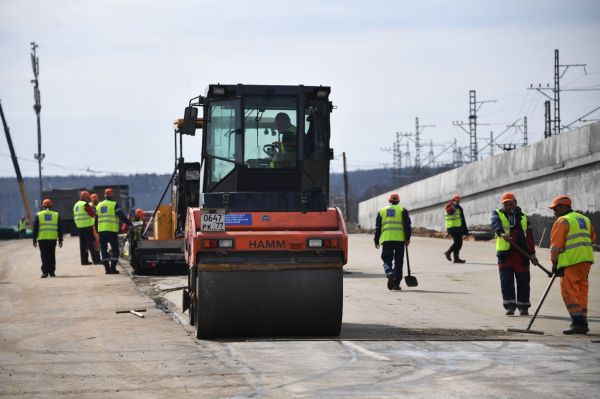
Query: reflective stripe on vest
x,y
578,247
82,219
501,243
453,219
48,225
107,218
392,224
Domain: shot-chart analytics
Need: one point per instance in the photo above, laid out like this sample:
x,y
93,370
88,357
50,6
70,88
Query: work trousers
x,y
392,254
86,243
106,238
48,255
507,283
574,286
457,244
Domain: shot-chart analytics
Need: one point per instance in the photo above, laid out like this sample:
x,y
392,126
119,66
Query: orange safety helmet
x,y
108,192
139,213
394,197
456,197
84,196
47,203
561,200
506,197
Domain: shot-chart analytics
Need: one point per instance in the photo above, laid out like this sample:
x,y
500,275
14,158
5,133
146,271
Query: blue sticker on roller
x,y
238,219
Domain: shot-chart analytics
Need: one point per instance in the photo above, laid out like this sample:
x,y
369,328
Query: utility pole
x,y
524,131
346,209
37,107
556,89
474,107
547,120
492,144
418,130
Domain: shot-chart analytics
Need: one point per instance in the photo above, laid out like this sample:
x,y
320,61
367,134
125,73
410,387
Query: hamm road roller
x,y
265,251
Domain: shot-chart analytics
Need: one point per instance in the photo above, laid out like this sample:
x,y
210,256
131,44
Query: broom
x,y
528,330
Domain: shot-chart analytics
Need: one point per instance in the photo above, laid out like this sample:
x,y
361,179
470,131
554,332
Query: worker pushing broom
x,y
572,257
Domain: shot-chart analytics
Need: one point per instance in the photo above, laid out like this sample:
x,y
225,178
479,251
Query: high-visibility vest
x,y
48,225
392,224
276,163
501,243
453,219
578,247
82,219
107,218
22,225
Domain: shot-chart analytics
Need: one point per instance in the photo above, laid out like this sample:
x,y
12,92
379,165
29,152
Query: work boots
x,y
106,267
447,255
576,329
113,267
457,259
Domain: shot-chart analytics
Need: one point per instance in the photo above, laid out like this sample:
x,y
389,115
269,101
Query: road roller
x,y
264,249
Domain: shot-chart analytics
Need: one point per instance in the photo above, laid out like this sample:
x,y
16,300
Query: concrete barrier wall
x,y
568,164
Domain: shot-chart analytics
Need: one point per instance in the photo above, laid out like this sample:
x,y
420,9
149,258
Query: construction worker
x,y
94,200
46,230
93,203
107,217
85,218
572,256
392,233
456,227
512,227
22,227
285,156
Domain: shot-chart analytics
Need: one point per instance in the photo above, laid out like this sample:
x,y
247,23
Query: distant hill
x,y
147,188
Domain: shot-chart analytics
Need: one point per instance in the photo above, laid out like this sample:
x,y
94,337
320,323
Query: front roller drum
x,y
269,303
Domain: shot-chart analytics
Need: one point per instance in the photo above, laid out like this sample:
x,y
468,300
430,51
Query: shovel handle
x,y
407,259
525,254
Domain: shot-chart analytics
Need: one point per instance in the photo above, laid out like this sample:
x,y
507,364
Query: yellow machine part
x,y
163,223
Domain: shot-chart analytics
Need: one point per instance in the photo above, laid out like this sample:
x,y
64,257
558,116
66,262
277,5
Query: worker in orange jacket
x,y
572,256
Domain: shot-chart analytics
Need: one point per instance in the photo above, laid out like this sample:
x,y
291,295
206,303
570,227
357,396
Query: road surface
x,y
446,338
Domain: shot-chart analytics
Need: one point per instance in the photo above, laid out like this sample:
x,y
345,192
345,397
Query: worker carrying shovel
x,y
572,257
515,248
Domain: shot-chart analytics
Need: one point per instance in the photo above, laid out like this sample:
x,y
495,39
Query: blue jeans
x,y
393,251
107,237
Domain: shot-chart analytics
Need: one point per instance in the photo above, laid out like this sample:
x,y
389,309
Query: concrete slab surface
x,y
446,338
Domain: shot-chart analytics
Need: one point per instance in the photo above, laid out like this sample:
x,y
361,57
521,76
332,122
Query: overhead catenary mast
x,y
37,107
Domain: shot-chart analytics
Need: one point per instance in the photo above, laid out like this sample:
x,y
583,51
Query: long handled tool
x,y
528,329
411,281
525,254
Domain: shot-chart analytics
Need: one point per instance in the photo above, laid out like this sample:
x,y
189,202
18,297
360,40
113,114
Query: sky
x,y
115,74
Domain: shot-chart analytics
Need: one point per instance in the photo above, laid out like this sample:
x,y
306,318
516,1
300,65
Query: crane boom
x,y
20,182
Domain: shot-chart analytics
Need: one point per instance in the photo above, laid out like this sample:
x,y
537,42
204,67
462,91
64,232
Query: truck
x,y
264,250
63,200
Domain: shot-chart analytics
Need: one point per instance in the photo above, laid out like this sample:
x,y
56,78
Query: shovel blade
x,y
411,281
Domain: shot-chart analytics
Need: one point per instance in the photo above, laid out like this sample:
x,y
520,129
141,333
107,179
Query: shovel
x,y
411,281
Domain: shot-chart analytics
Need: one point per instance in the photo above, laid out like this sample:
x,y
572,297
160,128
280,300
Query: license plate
x,y
212,222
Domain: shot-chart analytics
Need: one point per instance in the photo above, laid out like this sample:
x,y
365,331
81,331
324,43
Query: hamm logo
x,y
266,244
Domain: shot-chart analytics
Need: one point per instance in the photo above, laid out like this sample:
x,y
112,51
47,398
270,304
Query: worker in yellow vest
x,y
23,227
46,231
85,218
285,151
392,233
456,226
510,223
108,214
572,256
